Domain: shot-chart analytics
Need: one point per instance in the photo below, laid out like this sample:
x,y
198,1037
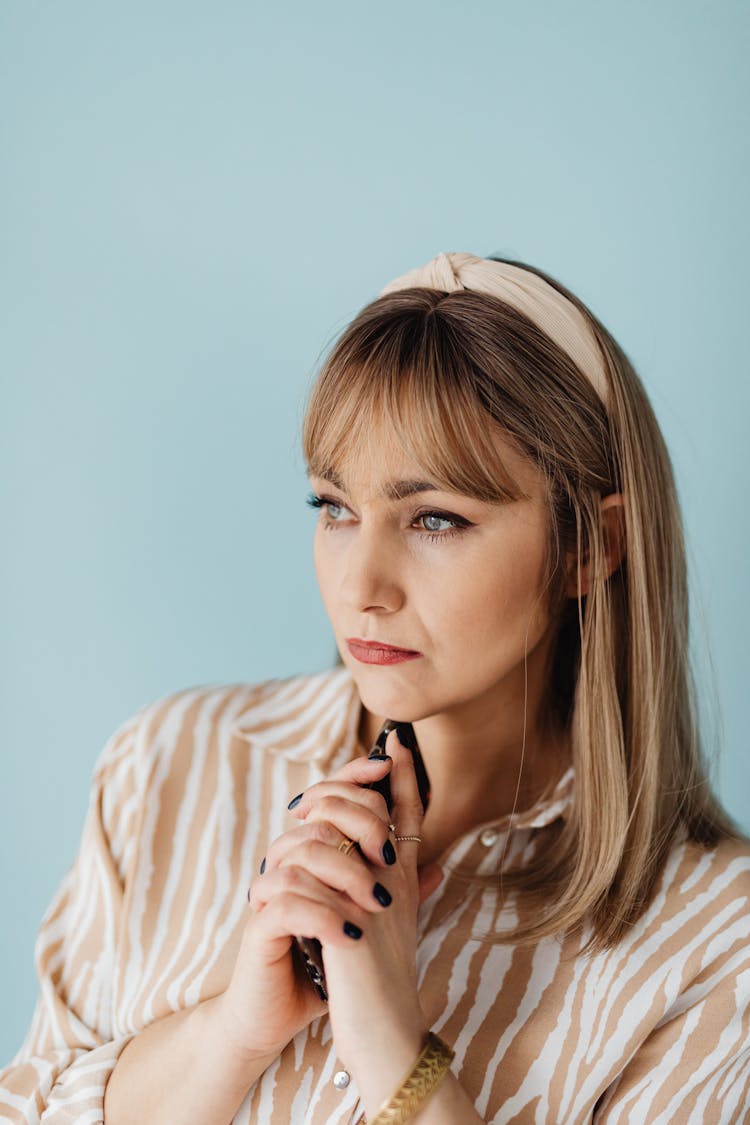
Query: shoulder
x,y
182,742
720,872
700,914
166,731
683,978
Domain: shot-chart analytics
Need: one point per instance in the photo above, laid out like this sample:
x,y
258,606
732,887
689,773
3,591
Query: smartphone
x,y
309,950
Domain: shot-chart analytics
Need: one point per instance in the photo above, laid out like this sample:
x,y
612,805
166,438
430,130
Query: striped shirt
x,y
185,799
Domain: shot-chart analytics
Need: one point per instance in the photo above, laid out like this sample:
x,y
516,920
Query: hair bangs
x,y
390,385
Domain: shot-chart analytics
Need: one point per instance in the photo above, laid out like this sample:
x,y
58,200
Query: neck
x,y
506,774
487,755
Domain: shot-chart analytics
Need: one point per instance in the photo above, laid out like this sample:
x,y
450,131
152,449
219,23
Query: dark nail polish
x,y
352,931
381,894
263,865
295,801
379,757
389,852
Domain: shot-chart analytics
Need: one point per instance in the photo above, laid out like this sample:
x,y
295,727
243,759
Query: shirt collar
x,y
312,718
545,810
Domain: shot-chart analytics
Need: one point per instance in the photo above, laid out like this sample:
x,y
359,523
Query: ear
x,y
612,515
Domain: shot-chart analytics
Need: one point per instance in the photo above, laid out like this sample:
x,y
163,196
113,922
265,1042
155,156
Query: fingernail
x,y
295,801
263,865
389,853
352,931
248,894
381,894
379,758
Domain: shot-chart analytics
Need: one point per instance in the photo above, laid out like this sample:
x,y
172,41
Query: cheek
x,y
329,562
322,565
487,595
495,595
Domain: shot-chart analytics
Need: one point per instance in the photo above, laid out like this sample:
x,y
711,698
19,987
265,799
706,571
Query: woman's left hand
x,y
376,1015
373,999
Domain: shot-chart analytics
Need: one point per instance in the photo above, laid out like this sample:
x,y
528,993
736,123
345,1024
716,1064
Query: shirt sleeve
x,y
60,1072
694,1067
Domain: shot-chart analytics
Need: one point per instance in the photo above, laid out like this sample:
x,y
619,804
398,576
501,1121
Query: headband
x,y
525,291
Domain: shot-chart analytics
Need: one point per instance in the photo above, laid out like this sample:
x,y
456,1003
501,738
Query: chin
x,y
399,705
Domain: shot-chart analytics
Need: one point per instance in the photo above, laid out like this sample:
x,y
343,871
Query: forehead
x,y
386,469
392,489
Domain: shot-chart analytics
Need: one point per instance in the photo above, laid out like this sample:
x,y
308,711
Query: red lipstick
x,y
378,652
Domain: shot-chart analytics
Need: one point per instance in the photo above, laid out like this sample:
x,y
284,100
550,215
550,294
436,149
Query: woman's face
x,y
456,579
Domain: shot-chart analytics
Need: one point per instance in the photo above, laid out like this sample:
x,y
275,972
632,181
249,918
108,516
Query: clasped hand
x,y
362,908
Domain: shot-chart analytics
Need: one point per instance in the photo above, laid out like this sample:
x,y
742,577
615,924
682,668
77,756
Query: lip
x,y
377,652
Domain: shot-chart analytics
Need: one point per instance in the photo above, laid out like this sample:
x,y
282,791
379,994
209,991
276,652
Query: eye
x,y
459,524
435,516
324,504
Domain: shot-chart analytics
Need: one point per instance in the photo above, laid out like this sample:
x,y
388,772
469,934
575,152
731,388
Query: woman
x,y
500,553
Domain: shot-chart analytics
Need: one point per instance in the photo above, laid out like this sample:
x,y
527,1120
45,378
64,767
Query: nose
x,y
371,573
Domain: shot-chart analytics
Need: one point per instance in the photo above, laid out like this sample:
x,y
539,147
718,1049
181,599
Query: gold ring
x,y
418,839
346,845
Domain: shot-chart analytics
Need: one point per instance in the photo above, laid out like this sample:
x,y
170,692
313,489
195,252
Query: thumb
x,y
406,805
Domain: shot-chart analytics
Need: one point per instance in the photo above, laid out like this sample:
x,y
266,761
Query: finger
x,y
406,812
294,912
358,822
319,830
347,874
361,770
368,798
293,879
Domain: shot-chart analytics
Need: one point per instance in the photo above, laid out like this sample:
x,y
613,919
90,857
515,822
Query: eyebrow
x,y
394,489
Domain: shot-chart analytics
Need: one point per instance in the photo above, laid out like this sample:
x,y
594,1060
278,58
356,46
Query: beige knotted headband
x,y
525,291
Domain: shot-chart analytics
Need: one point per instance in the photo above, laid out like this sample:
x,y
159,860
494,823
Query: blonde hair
x,y
446,373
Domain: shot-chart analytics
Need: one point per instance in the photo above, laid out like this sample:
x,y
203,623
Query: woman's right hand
x,y
308,887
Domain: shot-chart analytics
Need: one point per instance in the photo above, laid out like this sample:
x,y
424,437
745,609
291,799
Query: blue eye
x,y
324,503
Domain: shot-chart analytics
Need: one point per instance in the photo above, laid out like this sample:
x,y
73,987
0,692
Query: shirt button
x,y
341,1079
488,837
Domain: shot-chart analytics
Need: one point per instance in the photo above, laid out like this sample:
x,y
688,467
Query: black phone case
x,y
309,950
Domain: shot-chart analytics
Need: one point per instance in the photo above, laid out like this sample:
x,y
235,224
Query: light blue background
x,y
195,199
